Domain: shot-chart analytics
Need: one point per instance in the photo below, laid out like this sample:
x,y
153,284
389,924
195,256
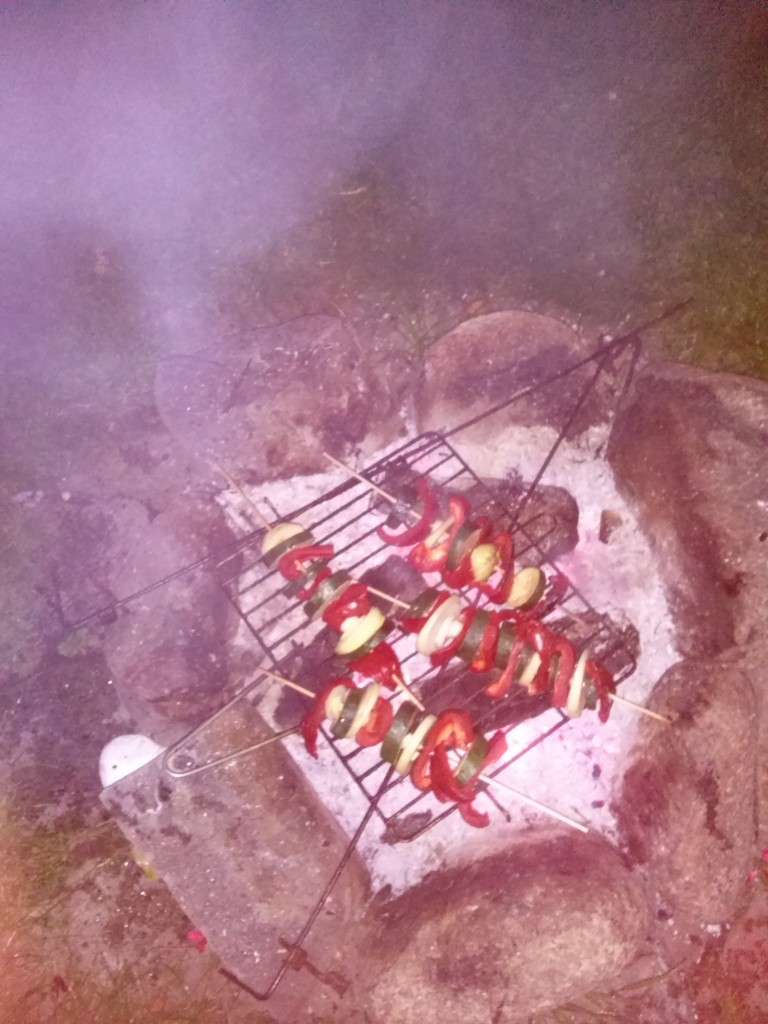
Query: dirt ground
x,y
595,161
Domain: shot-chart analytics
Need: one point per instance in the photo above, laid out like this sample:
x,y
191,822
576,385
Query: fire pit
x,y
312,838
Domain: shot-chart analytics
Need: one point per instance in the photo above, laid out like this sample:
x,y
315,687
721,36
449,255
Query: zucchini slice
x,y
465,541
404,719
375,640
422,604
327,593
530,669
412,744
342,727
577,693
281,538
469,766
357,630
366,706
484,561
528,586
527,664
334,702
470,645
506,642
442,625
590,692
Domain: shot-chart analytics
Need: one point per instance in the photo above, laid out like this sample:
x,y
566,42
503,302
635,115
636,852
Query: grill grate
x,y
344,518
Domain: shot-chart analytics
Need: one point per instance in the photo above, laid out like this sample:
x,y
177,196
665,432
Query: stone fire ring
x,y
558,914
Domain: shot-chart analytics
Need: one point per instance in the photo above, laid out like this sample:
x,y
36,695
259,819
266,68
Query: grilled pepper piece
x,y
380,664
453,728
311,722
377,726
433,558
604,685
413,534
354,601
294,562
498,591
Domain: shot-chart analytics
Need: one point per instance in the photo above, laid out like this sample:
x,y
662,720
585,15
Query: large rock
x,y
687,808
511,935
690,451
490,359
268,407
168,648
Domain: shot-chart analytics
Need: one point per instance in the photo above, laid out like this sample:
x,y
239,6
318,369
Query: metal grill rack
x,y
344,517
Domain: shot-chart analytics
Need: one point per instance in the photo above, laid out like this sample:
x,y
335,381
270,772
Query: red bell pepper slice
x,y
414,624
499,591
377,726
427,558
294,562
444,654
558,584
354,601
473,817
442,780
463,575
605,684
420,529
446,787
497,748
500,687
563,647
486,652
541,639
311,722
320,577
453,727
380,664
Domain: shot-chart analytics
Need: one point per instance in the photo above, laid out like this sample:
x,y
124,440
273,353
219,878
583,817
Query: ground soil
x,y
615,168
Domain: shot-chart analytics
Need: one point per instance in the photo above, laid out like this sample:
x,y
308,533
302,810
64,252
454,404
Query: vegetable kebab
x,y
468,552
411,740
526,651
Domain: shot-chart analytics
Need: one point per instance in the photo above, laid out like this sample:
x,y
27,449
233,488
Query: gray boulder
x,y
266,407
513,934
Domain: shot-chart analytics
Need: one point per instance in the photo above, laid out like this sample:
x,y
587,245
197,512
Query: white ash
x,y
573,771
